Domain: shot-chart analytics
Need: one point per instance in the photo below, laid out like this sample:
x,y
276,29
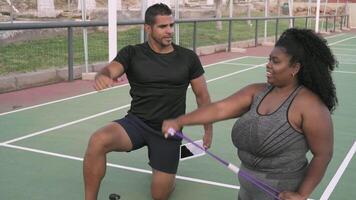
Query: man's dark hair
x,y
316,59
154,10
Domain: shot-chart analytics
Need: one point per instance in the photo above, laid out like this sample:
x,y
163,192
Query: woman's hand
x,y
207,139
286,195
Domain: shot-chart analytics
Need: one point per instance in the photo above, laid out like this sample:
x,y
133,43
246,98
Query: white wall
x,y
90,4
352,12
151,2
45,8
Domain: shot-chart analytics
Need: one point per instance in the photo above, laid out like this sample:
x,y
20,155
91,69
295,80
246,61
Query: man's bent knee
x,y
110,138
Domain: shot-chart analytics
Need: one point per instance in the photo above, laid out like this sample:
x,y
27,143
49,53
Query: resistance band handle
x,y
233,168
171,131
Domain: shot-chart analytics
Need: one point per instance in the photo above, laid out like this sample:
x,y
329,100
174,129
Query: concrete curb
x,y
43,77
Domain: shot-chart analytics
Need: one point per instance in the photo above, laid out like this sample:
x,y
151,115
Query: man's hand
x,y
102,82
291,196
207,139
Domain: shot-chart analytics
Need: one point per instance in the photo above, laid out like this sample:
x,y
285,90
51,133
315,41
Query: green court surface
x,y
41,147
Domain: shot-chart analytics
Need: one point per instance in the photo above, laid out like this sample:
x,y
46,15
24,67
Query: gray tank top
x,y
269,143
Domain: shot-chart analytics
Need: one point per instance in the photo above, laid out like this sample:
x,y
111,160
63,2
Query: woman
x,y
281,120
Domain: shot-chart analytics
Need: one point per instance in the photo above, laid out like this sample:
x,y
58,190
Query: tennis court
x,y
42,147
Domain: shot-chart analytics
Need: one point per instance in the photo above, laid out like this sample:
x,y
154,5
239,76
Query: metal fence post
x,y
306,22
334,23
348,21
256,33
276,34
194,36
229,36
70,54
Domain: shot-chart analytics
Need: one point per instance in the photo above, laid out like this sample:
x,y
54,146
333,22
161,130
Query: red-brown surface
x,y
342,1
33,96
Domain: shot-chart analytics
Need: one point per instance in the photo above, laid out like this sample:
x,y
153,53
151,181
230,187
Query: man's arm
x,y
105,77
202,96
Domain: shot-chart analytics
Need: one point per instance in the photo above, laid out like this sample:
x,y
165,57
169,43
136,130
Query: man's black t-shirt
x,y
158,81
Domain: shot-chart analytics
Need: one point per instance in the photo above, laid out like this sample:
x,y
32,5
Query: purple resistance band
x,y
263,186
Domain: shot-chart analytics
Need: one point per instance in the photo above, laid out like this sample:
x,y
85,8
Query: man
x,y
159,73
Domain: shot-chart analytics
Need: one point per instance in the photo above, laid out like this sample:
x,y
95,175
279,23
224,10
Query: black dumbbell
x,y
114,197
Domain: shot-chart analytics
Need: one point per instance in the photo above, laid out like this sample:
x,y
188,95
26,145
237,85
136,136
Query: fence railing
x,y
331,24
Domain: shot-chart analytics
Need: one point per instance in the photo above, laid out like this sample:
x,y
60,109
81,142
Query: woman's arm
x,y
318,129
232,106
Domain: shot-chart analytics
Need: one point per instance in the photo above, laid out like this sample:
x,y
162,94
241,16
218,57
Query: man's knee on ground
x,y
161,193
162,185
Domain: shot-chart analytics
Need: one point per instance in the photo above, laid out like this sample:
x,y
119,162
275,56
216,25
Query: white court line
x,y
347,49
258,56
64,125
347,63
344,54
129,168
6,144
94,92
342,40
337,35
224,61
121,166
60,100
107,112
330,188
340,63
237,72
239,64
345,72
346,45
214,183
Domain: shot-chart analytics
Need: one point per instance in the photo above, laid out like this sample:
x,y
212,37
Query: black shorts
x,y
163,153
